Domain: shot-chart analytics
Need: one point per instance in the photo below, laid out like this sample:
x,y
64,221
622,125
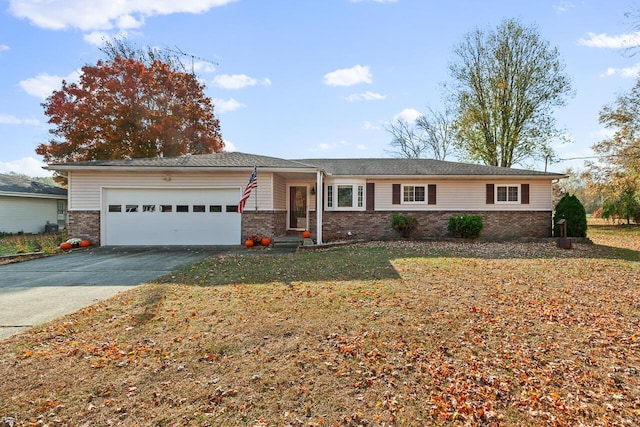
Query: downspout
x,y
319,200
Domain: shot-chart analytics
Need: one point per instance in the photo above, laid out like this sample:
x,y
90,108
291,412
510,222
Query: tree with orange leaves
x,y
123,108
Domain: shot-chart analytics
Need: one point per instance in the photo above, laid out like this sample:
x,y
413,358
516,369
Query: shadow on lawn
x,y
371,261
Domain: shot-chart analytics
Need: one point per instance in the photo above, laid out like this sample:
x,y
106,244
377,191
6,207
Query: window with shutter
x,y
371,196
395,194
490,196
524,194
431,192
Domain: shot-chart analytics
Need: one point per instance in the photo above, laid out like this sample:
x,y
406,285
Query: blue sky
x,y
306,78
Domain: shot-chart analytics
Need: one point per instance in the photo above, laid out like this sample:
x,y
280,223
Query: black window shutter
x,y
395,196
524,197
490,196
431,194
371,196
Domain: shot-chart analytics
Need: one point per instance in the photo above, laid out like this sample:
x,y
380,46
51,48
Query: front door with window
x,y
298,207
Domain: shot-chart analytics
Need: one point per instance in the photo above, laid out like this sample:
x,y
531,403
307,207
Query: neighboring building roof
x,y
335,167
20,184
408,167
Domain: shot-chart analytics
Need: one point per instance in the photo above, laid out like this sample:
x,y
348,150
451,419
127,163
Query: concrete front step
x,y
287,241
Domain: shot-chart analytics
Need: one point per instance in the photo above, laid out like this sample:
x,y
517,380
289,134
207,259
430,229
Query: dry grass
x,y
438,333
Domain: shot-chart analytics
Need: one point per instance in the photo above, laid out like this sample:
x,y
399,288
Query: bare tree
x,y
405,142
432,135
438,132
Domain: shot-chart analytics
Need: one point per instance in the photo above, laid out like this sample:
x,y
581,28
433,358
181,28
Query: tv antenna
x,y
178,51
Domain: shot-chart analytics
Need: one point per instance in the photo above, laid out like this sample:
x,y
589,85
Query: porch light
x,y
313,190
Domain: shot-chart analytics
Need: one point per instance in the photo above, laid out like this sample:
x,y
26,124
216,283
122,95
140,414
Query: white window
x,y
330,196
507,193
345,197
414,193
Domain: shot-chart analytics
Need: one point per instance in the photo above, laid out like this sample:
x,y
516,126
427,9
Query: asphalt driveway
x,y
40,290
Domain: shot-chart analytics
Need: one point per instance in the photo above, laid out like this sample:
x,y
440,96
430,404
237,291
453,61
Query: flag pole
x,y
255,167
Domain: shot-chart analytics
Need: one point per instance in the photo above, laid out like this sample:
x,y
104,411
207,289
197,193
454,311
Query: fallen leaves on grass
x,y
468,337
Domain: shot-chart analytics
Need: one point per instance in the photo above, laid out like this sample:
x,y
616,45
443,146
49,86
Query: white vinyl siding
x,y
465,195
279,192
26,214
85,186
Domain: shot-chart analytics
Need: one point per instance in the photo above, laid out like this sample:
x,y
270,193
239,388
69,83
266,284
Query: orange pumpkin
x,y
65,245
85,243
306,234
265,241
249,243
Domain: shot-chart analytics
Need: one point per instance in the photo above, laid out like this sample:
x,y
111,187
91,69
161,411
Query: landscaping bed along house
x,y
406,333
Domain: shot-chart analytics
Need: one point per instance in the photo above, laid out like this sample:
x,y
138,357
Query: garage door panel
x,y
171,217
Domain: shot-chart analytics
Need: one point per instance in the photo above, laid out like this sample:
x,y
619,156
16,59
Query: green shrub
x,y
404,224
466,226
570,209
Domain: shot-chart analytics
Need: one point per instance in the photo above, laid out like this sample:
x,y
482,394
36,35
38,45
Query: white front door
x,y
134,216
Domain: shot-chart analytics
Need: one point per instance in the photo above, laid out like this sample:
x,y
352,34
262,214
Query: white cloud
x,y
611,42
361,147
204,67
4,47
44,84
409,115
102,14
99,38
229,146
8,119
366,96
26,166
349,76
128,22
223,105
627,72
563,6
238,81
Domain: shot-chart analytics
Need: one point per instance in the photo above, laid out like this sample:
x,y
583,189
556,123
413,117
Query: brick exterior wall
x,y
498,225
263,223
85,225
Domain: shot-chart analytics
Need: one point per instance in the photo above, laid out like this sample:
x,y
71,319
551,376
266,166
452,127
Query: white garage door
x,y
171,216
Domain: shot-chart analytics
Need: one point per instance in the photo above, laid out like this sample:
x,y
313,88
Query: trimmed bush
x,y
404,224
466,226
571,209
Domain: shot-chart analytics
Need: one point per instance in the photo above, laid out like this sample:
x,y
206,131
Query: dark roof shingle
x,y
217,160
21,184
408,167
336,167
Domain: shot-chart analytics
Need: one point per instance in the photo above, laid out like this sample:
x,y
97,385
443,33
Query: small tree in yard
x,y
570,209
404,224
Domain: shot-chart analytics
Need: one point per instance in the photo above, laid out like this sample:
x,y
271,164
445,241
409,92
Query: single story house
x,y
192,200
28,206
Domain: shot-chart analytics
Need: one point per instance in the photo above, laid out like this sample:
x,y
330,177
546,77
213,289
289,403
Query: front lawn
x,y
404,333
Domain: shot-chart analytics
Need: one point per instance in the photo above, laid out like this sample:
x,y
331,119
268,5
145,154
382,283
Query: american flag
x,y
253,183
